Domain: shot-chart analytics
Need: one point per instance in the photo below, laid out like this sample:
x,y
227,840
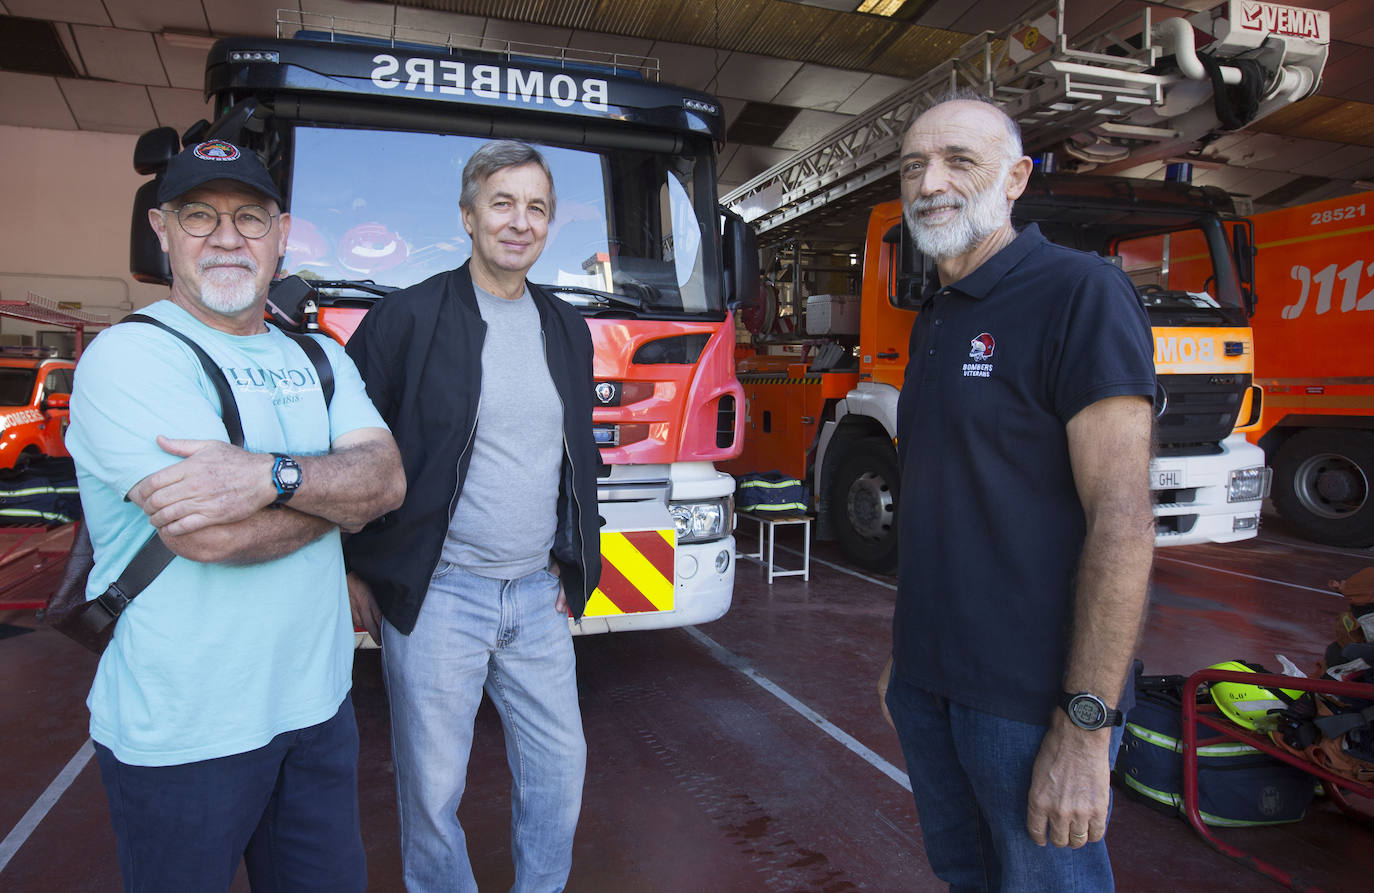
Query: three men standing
x,y
486,381
1024,436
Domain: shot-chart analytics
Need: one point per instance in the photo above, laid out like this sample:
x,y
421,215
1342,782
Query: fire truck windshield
x,y
629,228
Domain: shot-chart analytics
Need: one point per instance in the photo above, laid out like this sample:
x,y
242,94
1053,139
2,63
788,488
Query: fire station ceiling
x,y
787,71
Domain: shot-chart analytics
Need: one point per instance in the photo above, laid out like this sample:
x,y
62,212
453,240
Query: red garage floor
x,y
745,755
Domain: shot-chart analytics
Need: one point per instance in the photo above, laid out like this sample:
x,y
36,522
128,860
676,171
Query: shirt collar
x,y
981,282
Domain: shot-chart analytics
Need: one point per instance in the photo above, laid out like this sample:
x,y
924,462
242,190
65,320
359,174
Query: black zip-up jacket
x,y
420,353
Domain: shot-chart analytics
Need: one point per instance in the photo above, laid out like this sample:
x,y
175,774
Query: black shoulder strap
x,y
154,556
319,360
229,410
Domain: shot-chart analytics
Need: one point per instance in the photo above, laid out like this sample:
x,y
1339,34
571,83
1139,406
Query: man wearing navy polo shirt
x,y
1023,436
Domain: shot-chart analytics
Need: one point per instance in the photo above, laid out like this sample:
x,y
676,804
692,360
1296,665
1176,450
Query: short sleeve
x,y
1106,347
133,383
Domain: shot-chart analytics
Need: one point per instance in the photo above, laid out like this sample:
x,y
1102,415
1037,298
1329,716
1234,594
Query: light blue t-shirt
x,y
210,659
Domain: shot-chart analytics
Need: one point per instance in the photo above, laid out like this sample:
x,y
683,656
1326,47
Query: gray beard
x,y
977,219
228,292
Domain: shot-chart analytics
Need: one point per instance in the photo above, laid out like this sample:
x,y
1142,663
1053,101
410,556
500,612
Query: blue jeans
x,y
970,774
504,637
288,809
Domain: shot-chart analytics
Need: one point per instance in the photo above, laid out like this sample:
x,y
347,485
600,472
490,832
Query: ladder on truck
x,y
1105,102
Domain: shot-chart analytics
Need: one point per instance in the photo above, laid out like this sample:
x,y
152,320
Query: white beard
x,y
976,219
228,291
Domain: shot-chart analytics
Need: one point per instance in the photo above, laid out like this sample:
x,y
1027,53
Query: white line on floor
x,y
1208,567
734,661
15,839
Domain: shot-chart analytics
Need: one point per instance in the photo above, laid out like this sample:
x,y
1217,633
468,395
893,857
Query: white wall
x,y
68,198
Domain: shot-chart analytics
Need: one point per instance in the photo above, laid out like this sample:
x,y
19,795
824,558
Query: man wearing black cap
x,y
220,710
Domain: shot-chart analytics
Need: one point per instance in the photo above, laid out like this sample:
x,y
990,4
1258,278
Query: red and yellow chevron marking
x,y
636,573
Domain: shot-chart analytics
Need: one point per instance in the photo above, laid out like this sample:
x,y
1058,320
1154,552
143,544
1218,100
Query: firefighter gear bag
x,y
1238,786
42,492
771,493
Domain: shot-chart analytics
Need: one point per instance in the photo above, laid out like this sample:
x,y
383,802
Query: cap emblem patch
x,y
216,150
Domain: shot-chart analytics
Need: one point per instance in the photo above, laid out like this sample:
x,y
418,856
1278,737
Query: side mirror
x,y
1243,246
154,149
147,262
56,401
906,268
741,257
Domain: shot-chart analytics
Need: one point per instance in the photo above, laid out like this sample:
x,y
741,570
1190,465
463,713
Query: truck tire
x,y
863,505
1322,485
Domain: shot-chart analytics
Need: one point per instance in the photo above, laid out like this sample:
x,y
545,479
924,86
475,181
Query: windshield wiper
x,y
605,296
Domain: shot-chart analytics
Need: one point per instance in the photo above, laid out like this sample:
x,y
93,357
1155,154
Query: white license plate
x,y
1167,480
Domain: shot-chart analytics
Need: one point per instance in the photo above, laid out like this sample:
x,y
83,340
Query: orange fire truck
x,y
1313,329
368,139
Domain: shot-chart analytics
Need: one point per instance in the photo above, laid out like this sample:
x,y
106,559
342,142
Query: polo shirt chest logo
x,y
980,351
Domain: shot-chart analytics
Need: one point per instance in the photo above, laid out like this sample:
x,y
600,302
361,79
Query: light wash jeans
x,y
970,774
503,636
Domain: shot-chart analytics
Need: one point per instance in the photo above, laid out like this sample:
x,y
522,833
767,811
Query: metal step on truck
x,y
827,347
367,136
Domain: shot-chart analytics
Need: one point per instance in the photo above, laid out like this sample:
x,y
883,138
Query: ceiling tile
x,y
750,161
610,43
116,55
252,18
427,24
808,127
985,15
499,31
179,109
144,15
1343,158
1348,66
687,65
30,100
1358,168
746,76
185,66
87,12
114,108
730,109
375,19
874,90
820,87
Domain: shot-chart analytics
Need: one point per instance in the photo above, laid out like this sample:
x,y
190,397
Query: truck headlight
x,y
1249,484
699,522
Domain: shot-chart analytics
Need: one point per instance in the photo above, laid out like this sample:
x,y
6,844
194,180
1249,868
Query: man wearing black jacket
x,y
486,381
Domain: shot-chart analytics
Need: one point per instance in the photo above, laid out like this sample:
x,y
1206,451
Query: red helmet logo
x,y
981,347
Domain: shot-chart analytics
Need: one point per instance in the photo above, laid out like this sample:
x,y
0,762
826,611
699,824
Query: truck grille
x,y
1200,411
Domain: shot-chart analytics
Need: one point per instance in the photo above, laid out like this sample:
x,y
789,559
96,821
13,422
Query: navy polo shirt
x,y
991,526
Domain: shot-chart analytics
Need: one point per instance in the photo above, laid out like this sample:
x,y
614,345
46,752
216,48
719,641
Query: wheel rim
x,y
869,506
1329,485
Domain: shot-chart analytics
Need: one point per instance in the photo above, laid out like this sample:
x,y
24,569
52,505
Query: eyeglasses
x,y
200,219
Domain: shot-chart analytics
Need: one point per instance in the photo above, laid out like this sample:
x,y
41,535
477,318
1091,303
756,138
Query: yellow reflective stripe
x,y
638,570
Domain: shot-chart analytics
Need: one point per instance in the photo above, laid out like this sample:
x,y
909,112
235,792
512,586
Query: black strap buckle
x,y
113,600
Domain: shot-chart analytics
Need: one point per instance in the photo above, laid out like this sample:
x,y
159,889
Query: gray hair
x,y
1011,144
498,155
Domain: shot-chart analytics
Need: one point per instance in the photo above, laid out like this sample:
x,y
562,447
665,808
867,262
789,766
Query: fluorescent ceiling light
x,y
189,41
881,7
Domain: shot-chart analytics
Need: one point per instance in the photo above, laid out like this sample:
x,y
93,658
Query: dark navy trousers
x,y
289,810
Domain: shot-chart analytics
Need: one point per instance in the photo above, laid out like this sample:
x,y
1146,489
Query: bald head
x,y
961,167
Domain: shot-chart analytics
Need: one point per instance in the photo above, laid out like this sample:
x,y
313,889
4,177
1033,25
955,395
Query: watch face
x,y
287,474
1087,712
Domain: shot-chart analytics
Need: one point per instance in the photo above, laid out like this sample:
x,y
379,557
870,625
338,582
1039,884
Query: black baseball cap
x,y
214,160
